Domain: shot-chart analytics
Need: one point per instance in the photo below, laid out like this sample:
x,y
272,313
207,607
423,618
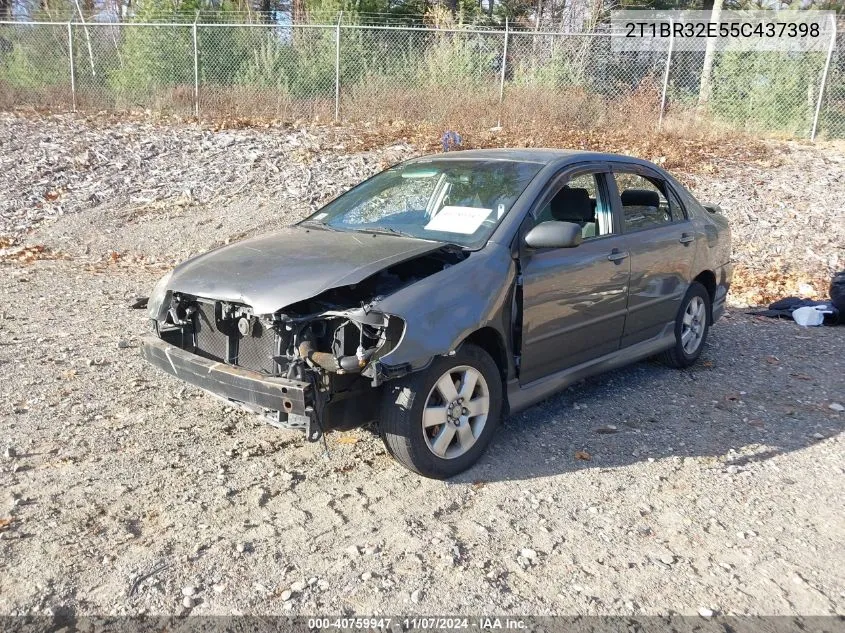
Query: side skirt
x,y
521,397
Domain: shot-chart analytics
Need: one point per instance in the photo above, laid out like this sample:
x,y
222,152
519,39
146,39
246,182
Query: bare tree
x,y
706,87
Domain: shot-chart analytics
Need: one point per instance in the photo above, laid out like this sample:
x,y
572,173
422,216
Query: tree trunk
x,y
706,87
5,9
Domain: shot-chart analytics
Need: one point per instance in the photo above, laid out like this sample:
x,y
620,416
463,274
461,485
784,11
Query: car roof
x,y
533,155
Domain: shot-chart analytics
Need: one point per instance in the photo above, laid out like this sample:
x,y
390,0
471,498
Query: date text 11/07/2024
x,y
418,623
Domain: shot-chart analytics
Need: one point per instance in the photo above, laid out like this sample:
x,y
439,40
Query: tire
x,y
693,321
437,444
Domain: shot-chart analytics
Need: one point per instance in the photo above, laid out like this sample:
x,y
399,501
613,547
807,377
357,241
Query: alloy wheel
x,y
694,324
455,412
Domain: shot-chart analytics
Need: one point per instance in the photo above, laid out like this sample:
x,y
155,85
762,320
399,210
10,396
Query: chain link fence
x,y
453,77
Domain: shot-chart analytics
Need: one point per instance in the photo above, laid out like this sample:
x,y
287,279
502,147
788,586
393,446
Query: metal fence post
x,y
196,73
824,80
72,74
337,69
502,77
666,75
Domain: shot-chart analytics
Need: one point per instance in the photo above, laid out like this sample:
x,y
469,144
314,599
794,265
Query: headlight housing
x,y
158,303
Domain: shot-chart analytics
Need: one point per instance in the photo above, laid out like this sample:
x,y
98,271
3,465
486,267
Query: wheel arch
x,y
707,278
491,341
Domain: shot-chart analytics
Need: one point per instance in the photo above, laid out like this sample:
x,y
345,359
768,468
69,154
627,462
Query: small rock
x,y
704,612
188,602
242,547
835,406
818,436
189,591
123,344
416,596
219,588
286,595
528,554
138,303
298,586
667,559
353,551
607,429
10,452
366,576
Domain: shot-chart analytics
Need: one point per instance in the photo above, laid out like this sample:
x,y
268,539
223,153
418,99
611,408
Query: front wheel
x,y
691,327
438,422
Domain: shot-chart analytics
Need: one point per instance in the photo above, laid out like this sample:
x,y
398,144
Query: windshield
x,y
457,201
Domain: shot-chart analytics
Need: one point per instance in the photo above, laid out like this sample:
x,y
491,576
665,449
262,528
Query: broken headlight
x,y
157,305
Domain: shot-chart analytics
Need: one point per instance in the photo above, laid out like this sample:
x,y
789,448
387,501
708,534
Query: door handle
x,y
686,238
616,256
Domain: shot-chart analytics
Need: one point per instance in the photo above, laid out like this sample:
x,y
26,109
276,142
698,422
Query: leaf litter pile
x,y
782,198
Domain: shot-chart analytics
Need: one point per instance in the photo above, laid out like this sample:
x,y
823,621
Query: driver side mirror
x,y
554,234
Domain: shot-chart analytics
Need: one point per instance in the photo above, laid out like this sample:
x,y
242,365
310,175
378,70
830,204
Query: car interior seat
x,y
642,207
573,204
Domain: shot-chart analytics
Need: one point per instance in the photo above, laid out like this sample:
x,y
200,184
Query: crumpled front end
x,y
331,343
332,352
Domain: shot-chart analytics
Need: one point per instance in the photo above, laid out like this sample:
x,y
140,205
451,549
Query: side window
x,y
579,200
644,204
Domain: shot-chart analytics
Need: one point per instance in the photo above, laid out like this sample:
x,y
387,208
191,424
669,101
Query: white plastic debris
x,y
810,316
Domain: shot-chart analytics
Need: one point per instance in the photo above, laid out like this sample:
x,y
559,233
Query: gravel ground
x,y
719,487
124,491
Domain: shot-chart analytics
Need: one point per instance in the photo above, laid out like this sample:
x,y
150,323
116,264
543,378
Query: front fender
x,y
441,310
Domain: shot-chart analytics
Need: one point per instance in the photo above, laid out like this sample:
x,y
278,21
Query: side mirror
x,y
554,234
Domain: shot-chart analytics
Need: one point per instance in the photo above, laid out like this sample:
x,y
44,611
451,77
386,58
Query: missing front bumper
x,y
242,386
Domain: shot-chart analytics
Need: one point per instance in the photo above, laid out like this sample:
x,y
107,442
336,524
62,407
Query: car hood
x,y
272,271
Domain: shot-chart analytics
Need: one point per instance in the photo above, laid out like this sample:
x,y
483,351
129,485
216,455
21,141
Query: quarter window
x,y
644,204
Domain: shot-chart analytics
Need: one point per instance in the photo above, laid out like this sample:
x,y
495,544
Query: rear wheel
x,y
691,327
438,422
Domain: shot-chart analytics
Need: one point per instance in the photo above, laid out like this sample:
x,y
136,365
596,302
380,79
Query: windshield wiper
x,y
385,230
319,223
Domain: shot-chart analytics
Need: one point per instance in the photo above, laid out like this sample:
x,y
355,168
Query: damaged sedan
x,y
446,292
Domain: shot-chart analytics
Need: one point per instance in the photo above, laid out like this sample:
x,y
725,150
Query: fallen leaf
x,y
347,439
4,523
584,456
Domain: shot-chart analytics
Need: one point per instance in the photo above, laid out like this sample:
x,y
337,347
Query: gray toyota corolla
x,y
446,291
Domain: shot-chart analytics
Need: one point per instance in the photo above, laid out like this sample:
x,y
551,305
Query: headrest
x,y
572,205
640,198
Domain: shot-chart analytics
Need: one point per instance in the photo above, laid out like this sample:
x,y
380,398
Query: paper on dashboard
x,y
463,220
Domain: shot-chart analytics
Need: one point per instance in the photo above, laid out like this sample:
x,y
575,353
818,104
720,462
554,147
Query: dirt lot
x,y
126,492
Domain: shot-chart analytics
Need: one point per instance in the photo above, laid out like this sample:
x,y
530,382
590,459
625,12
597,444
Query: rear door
x,y
573,299
660,239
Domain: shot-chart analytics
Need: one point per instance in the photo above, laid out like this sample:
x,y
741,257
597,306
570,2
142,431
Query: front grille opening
x,y
211,336
210,342
256,349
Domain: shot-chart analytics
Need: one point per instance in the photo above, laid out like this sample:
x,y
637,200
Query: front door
x,y
574,300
